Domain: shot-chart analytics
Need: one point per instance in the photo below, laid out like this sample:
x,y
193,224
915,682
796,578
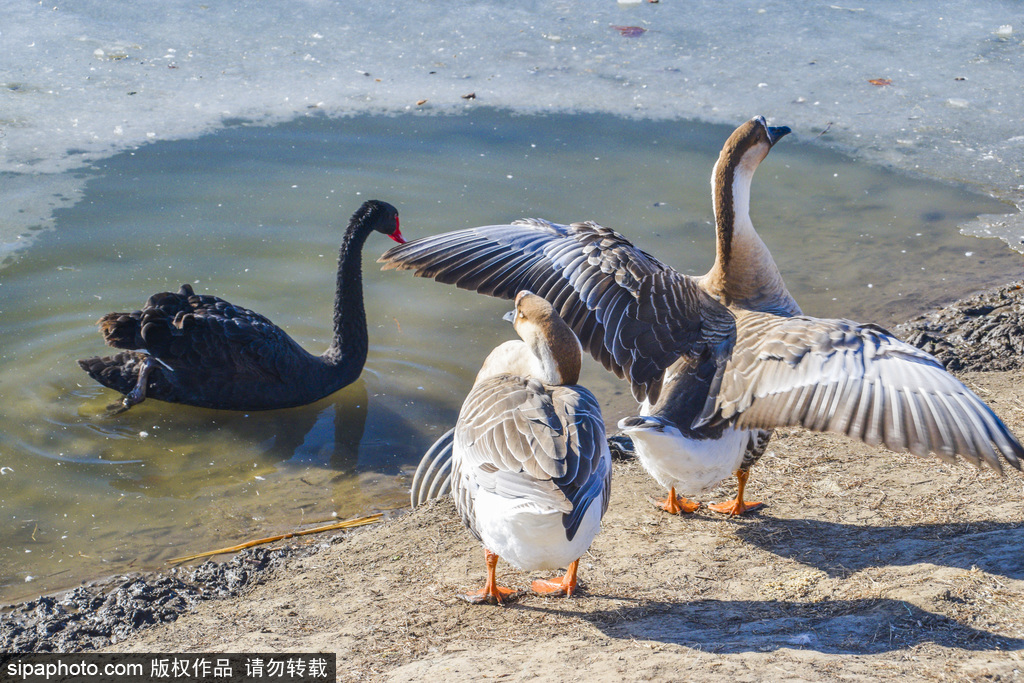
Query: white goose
x,y
530,468
718,361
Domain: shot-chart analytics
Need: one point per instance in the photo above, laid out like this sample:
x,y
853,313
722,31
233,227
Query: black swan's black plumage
x,y
200,350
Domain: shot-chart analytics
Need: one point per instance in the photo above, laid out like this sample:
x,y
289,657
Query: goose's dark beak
x,y
776,133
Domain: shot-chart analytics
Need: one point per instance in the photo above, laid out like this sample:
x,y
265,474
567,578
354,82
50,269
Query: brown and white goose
x,y
719,361
743,276
531,471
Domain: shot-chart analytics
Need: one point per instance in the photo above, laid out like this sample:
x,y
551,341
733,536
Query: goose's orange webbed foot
x,y
677,505
491,592
565,585
493,595
737,506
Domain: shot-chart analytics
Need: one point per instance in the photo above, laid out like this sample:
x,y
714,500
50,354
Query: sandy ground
x,y
865,565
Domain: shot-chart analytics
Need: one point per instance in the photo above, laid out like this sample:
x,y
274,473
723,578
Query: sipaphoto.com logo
x,y
193,667
65,669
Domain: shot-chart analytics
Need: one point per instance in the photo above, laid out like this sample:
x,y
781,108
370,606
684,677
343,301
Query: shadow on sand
x,y
855,627
841,549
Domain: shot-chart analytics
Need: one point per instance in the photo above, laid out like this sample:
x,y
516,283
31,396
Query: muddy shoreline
x,y
968,609
109,610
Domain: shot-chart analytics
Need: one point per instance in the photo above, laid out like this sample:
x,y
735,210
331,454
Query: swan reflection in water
x,y
347,441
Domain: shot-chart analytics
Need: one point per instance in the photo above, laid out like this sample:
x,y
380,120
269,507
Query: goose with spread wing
x,y
201,350
719,361
530,466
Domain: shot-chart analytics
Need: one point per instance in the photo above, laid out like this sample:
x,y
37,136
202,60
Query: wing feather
x,y
858,380
631,312
543,445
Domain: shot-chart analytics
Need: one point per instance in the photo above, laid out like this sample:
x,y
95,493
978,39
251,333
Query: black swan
x,y
203,351
719,361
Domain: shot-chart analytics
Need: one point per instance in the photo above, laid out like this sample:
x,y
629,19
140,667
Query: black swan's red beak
x,y
397,234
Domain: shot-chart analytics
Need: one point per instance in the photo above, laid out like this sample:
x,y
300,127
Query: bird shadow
x,y
864,626
842,549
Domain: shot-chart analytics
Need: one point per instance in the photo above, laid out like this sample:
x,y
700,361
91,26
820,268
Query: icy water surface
x,y
254,215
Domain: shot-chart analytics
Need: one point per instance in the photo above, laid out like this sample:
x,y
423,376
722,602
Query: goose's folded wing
x,y
630,311
859,380
579,409
588,479
509,440
546,449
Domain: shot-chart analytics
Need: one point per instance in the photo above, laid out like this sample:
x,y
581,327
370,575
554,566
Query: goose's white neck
x,y
513,357
742,229
550,369
523,359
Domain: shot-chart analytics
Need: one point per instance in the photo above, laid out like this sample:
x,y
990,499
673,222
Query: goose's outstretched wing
x,y
859,380
633,313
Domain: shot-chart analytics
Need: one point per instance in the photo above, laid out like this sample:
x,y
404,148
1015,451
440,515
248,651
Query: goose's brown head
x,y
549,337
750,143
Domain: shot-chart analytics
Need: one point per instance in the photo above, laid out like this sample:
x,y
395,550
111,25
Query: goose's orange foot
x,y
676,505
554,587
735,507
491,592
565,585
493,595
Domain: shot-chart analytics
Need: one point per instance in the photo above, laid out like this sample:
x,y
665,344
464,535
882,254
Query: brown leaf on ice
x,y
630,31
420,103
469,96
879,81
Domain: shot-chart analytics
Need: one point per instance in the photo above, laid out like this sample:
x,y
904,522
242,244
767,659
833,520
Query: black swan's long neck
x,y
347,352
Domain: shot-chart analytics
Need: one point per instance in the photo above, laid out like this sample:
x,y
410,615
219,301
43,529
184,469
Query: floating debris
x,y
880,81
630,31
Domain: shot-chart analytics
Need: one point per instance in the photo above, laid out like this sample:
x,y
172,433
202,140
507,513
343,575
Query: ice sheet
x,y
83,80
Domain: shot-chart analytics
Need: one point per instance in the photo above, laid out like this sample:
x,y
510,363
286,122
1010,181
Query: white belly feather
x,y
690,466
528,536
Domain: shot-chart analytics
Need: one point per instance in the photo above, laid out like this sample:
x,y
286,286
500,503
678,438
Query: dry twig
x,y
347,524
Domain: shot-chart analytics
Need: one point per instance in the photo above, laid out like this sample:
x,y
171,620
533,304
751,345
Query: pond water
x,y
254,215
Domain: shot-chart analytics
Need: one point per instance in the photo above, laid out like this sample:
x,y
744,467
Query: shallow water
x,y
254,215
